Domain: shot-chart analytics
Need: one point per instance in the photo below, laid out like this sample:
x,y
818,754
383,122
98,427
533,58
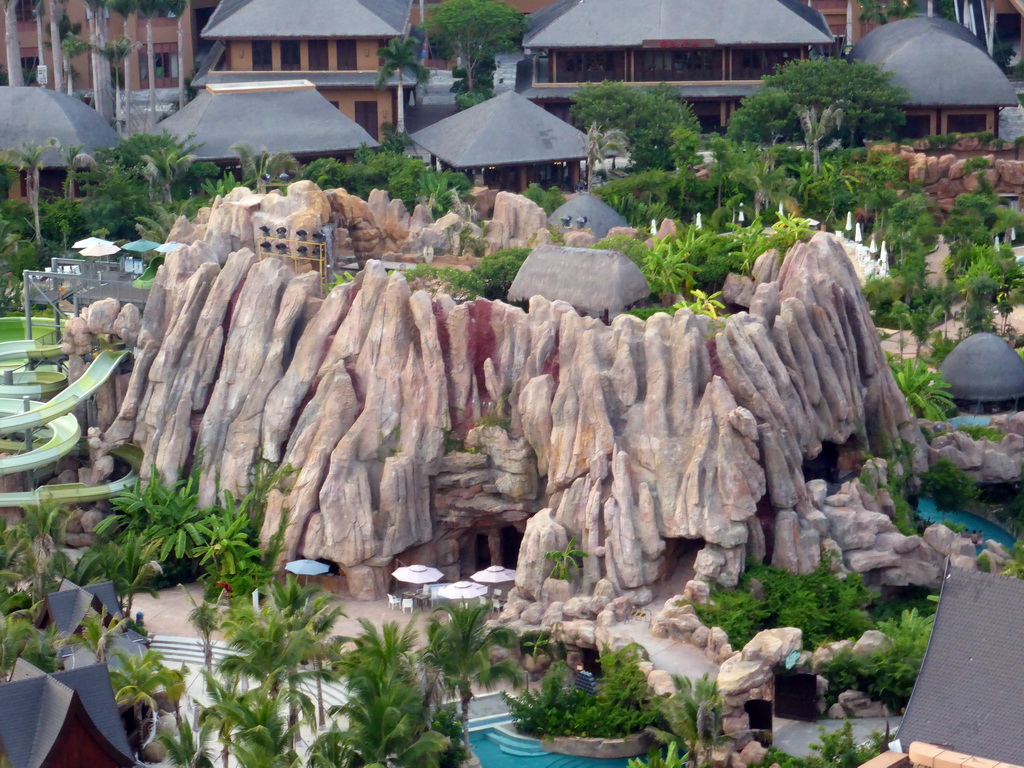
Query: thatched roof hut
x,y
32,115
984,369
599,215
594,281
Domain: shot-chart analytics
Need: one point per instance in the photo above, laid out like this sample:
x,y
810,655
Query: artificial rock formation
x,y
416,425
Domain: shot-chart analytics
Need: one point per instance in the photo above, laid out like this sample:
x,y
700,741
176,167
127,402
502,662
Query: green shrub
x,y
497,270
838,749
979,432
621,707
821,604
548,199
635,250
949,486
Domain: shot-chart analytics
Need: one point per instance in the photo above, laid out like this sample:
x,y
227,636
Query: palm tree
x,y
260,167
165,165
261,738
43,528
221,714
817,123
54,10
598,143
189,748
128,10
926,391
15,635
100,71
137,680
179,8
96,634
767,182
29,160
694,718
149,9
10,242
74,160
205,618
14,76
71,47
118,52
461,647
399,56
131,563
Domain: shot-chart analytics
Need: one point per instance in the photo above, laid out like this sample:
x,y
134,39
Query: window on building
x,y
317,54
346,54
686,64
25,10
262,55
291,55
974,123
165,58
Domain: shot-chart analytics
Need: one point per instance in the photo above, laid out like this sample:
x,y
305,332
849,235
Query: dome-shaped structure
x,y
599,215
33,115
984,369
938,61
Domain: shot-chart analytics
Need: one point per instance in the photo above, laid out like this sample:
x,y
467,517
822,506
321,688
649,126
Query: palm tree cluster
x,y
269,686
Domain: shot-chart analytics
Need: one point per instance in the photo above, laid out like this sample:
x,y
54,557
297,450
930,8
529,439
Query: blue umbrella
x,y
167,247
307,568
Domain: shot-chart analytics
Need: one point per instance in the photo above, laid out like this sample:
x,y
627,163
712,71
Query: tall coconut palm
x,y
98,33
460,645
259,166
598,143
128,10
54,11
164,166
189,748
150,9
71,47
205,618
96,635
221,713
817,122
28,159
137,680
694,718
398,57
179,8
118,52
74,160
14,76
262,739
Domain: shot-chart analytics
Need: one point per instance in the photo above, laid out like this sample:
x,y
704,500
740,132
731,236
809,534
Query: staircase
x,y
516,745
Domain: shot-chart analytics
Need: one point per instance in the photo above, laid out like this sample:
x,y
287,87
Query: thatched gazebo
x,y
983,369
599,216
596,282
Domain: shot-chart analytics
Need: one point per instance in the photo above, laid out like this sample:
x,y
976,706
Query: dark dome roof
x,y
33,115
983,368
600,216
940,62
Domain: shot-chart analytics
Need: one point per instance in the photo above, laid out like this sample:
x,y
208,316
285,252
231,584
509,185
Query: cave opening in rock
x,y
760,713
511,539
680,556
824,466
495,546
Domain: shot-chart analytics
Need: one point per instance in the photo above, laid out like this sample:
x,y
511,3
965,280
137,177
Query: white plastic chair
x,y
394,602
407,603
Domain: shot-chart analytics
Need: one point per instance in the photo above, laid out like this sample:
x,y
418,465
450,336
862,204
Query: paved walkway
x,y
673,656
796,738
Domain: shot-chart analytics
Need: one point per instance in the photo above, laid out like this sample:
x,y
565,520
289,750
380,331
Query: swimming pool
x,y
926,509
497,748
970,421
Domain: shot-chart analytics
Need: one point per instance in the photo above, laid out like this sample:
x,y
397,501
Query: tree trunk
x,y
816,153
132,25
469,75
101,73
52,7
465,720
208,654
33,200
321,714
40,58
401,103
14,76
181,59
151,63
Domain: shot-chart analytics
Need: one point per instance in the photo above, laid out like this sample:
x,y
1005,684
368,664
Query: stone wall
x,y
413,420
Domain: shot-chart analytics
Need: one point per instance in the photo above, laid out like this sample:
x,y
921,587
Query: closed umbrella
x,y
496,574
141,246
100,249
417,574
90,241
462,590
307,568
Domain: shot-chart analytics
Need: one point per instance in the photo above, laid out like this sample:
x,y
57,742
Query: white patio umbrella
x,y
307,568
462,590
167,247
496,574
90,241
417,574
100,249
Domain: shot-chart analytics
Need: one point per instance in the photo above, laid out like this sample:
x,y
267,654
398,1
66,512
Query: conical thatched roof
x,y
593,281
33,115
983,368
285,116
600,216
505,130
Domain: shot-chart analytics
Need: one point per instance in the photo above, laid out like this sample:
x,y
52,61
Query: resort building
x,y
955,86
331,43
715,53
508,142
225,115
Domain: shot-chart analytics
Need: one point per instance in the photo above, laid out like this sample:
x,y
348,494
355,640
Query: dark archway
x,y
510,540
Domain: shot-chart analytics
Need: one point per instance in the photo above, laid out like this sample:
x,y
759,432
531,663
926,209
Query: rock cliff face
x,y
456,433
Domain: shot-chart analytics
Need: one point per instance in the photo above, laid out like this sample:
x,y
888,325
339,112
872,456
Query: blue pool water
x,y
970,421
926,509
498,749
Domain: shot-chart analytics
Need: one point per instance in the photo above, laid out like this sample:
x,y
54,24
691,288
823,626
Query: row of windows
x,y
291,54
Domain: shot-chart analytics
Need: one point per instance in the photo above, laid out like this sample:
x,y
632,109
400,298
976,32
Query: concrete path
x,y
670,655
795,738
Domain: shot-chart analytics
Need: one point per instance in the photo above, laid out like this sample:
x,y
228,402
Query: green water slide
x,y
61,437
79,493
19,351
41,414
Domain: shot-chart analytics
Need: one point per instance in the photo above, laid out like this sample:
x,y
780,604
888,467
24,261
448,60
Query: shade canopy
x,y
167,247
283,116
462,590
307,568
141,246
496,574
100,249
505,130
591,279
417,574
90,241
983,368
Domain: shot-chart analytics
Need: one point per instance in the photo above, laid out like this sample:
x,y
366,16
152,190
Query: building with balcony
x,y
955,87
716,53
331,43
